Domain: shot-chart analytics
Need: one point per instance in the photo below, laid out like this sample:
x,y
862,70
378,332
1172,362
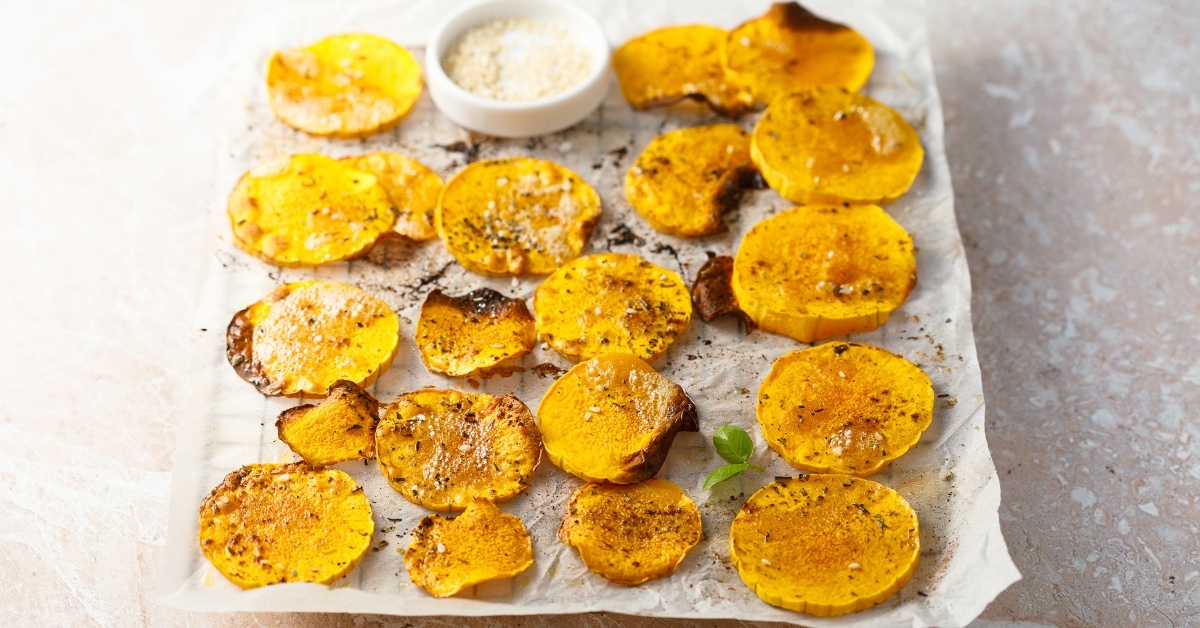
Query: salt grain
x,y
518,59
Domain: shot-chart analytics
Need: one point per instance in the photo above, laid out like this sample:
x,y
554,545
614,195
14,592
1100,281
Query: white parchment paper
x,y
949,477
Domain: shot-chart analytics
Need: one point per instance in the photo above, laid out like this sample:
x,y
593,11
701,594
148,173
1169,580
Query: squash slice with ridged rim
x,y
613,419
611,302
812,273
825,544
306,335
667,65
306,210
411,186
442,449
480,545
271,523
788,48
844,407
633,533
459,336
345,85
826,145
516,216
687,178
340,428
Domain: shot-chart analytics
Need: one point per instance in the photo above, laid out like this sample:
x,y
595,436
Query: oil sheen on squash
x,y
825,544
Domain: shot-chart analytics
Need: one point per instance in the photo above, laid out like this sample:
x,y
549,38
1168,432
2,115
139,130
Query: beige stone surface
x,y
1073,130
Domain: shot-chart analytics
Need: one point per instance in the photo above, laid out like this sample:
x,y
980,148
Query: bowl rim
x,y
438,39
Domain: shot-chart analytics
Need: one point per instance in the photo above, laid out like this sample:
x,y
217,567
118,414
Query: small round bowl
x,y
517,119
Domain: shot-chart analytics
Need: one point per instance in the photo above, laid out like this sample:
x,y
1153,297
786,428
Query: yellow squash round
x,y
340,428
271,523
687,178
460,336
612,419
812,273
611,302
442,449
482,544
411,186
345,85
634,533
667,65
825,544
516,216
844,407
788,48
306,210
306,335
827,145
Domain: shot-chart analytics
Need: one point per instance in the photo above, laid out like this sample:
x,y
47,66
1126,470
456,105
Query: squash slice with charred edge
x,y
411,186
459,336
844,407
340,428
613,419
667,65
345,85
634,533
442,449
611,302
826,145
788,48
480,545
825,544
516,216
306,335
712,292
687,178
306,210
271,523
812,273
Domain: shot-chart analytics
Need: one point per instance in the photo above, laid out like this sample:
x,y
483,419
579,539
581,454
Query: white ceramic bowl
x,y
517,119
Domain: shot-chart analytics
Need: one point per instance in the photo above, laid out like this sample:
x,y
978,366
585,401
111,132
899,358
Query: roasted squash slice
x,y
516,216
412,188
844,407
480,545
826,145
340,428
665,66
459,336
306,335
789,48
817,272
612,419
306,210
344,86
825,544
271,523
687,178
712,292
442,449
611,302
634,533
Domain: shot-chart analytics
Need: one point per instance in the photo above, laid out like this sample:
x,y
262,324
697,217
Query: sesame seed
x,y
766,562
441,548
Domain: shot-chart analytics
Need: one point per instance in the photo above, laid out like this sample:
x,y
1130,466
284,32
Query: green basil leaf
x,y
733,444
723,473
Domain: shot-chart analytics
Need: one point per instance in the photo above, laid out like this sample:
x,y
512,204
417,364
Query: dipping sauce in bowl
x,y
517,68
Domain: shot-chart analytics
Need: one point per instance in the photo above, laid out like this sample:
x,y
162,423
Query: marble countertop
x,y
1073,132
